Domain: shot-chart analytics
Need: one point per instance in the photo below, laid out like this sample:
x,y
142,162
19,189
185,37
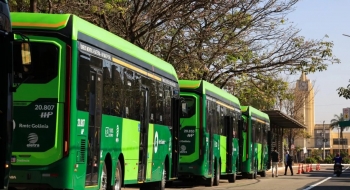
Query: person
x,y
288,163
275,159
337,159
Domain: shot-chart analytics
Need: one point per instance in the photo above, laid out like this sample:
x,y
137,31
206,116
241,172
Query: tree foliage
x,y
344,92
241,45
335,123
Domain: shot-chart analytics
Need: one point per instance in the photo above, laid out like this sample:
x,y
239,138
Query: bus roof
x,y
79,26
204,87
251,111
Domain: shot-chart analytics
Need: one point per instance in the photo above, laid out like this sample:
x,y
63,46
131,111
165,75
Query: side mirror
x,y
23,59
184,107
21,53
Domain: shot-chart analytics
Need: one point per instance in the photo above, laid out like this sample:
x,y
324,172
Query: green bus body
x,y
94,110
208,133
254,148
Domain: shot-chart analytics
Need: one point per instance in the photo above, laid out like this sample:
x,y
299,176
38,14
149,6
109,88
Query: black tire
x,y
250,175
232,178
160,185
118,178
104,178
263,174
209,182
254,175
216,175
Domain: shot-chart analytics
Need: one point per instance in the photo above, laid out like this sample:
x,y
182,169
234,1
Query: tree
x,y
344,92
335,123
240,44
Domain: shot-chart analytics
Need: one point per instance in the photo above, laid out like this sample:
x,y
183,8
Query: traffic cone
x,y
299,169
311,168
307,168
302,169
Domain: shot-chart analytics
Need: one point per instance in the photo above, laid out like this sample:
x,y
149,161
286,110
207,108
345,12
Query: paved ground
x,y
316,180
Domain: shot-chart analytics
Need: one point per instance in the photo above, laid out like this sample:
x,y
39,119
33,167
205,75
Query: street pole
x,y
338,140
324,142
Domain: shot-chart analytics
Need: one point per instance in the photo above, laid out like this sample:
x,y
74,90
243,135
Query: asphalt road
x,y
323,179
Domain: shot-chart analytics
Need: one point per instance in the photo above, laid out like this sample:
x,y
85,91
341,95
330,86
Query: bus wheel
x,y
216,175
232,178
104,177
160,185
209,182
118,177
263,173
250,175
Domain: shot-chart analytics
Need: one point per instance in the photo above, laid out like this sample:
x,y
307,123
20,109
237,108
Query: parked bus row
x,y
96,112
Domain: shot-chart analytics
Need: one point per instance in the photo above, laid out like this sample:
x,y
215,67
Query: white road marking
x,y
316,184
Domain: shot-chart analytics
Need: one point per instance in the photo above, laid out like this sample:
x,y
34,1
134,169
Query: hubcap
x,y
163,178
104,178
117,184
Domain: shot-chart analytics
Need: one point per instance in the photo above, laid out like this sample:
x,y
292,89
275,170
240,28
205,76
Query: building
x,y
321,135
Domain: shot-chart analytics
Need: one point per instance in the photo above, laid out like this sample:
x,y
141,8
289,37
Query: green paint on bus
x,y
209,132
93,111
256,125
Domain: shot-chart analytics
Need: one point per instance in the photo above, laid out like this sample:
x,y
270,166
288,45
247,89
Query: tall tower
x,y
304,106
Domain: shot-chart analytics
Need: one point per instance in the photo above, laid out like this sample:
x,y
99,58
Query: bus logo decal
x,y
156,142
33,139
46,114
81,123
109,132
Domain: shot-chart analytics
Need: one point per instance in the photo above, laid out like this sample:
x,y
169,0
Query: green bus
x,y
208,133
254,149
93,111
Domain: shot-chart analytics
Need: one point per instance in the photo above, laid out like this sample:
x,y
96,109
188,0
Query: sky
x,y
315,19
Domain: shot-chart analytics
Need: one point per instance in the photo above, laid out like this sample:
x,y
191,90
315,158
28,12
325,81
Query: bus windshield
x,y
190,109
44,65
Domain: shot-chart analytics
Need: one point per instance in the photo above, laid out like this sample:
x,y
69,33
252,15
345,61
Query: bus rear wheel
x,y
232,178
216,175
160,185
104,177
118,177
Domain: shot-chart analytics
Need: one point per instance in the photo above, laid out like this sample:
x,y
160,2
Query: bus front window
x,y
190,109
44,63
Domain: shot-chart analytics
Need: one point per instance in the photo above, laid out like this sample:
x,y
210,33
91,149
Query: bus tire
x,y
160,185
118,178
263,173
250,175
232,178
104,177
216,175
209,181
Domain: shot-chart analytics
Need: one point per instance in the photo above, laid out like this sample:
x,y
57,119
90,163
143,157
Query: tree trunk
x,y
33,6
341,139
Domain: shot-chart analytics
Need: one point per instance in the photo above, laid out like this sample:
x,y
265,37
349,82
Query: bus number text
x,y
44,107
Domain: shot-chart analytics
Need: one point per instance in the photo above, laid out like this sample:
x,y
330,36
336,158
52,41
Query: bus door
x,y
143,129
95,119
176,105
210,140
253,145
229,149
